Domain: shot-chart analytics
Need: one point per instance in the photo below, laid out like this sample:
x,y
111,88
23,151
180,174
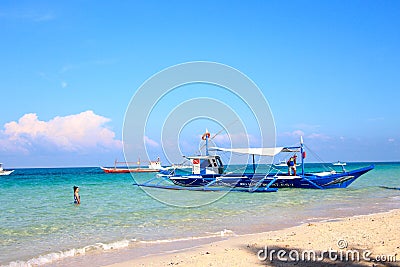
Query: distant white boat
x,y
154,166
338,163
4,172
283,163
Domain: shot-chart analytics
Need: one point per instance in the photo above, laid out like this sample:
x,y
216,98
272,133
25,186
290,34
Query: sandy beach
x,y
368,240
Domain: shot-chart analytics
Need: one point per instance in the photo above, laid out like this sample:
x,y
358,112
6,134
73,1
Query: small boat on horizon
x,y
154,166
283,163
5,172
338,163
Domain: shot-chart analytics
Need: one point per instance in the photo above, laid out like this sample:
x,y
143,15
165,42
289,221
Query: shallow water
x,y
40,224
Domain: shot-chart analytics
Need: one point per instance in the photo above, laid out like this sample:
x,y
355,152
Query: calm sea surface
x,y
40,224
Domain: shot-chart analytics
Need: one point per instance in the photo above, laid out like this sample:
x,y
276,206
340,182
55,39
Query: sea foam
x,y
57,256
100,247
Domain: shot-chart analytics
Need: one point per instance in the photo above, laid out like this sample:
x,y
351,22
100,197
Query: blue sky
x,y
329,70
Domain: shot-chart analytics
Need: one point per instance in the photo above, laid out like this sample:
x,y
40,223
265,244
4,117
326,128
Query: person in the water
x,y
77,198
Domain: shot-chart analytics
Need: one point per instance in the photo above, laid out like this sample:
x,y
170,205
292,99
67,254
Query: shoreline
x,y
374,231
374,234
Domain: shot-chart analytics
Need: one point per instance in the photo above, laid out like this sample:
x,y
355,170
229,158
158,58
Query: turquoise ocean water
x,y
40,224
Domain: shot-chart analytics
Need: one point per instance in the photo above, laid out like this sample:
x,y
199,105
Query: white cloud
x,y
150,141
307,127
298,133
295,133
81,132
64,84
318,136
391,140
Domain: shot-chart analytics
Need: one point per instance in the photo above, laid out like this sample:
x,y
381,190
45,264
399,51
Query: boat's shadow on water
x,y
318,261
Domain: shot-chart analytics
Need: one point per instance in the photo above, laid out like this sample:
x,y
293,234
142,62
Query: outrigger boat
x,y
208,174
4,172
154,166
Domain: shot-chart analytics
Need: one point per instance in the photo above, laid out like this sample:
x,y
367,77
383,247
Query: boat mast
x,y
207,134
302,155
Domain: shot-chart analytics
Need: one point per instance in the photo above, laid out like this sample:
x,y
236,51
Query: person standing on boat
x,y
292,165
77,198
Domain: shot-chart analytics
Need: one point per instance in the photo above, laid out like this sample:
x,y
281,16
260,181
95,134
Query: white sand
x,y
378,234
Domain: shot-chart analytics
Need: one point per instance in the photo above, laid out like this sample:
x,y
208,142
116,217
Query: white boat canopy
x,y
260,151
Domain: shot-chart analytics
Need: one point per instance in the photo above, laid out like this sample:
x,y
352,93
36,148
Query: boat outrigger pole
x,y
207,154
254,165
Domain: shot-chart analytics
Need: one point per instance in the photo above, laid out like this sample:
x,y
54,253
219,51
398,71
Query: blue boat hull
x,y
251,180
